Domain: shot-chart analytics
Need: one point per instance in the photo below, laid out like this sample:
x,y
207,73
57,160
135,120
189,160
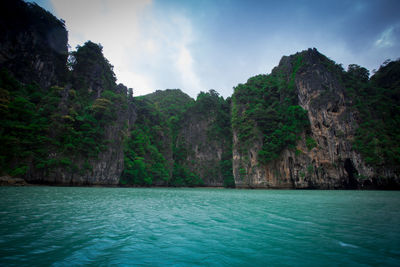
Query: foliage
x,y
158,129
171,102
211,106
225,166
145,163
77,119
378,103
310,143
55,127
215,110
22,128
267,106
183,176
64,126
67,125
149,143
90,68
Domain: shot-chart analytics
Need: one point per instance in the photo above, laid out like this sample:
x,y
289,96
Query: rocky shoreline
x,y
8,180
11,181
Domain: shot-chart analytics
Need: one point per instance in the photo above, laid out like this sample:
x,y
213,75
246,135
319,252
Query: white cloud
x,y
184,60
149,50
386,39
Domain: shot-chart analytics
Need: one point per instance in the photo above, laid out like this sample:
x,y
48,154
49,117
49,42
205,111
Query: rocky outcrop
x,y
299,127
85,115
205,151
204,154
11,181
196,144
324,157
105,168
33,43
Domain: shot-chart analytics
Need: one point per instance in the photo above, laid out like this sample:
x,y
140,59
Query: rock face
x,y
204,153
205,134
103,169
81,112
324,156
33,43
302,126
108,110
10,181
192,137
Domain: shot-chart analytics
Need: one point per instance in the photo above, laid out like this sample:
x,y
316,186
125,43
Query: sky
x,y
197,45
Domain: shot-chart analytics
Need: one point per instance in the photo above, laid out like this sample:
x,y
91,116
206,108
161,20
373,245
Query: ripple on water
x,y
127,226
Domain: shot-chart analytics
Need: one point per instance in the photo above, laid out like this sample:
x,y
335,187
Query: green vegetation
x,y
145,163
182,175
266,106
377,101
172,102
63,113
23,130
43,129
211,107
310,169
90,69
158,150
160,116
310,143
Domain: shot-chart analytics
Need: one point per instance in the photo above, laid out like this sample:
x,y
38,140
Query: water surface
x,y
64,226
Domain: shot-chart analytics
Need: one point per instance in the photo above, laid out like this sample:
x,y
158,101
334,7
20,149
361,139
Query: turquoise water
x,y
65,226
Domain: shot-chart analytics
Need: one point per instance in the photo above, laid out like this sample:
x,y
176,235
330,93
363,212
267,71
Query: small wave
x,y
347,245
288,219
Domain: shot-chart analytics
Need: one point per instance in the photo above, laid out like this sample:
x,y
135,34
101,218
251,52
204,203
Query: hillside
x,y
307,124
310,124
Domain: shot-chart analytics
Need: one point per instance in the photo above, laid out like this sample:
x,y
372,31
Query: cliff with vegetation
x,y
62,121
33,43
179,141
308,124
203,142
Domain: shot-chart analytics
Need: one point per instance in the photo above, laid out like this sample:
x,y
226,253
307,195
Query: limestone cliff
x,y
59,125
308,124
205,135
323,155
99,160
33,43
89,125
180,141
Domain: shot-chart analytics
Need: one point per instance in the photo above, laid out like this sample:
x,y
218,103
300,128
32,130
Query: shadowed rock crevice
x,y
351,172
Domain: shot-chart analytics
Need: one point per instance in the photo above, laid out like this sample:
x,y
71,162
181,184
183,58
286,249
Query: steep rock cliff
x,y
308,124
205,136
88,127
33,43
148,149
322,155
178,141
59,125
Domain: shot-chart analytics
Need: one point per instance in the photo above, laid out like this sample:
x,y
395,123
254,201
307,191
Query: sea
x,y
92,226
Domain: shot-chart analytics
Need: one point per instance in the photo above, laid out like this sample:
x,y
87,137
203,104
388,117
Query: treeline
x,y
377,100
267,106
45,128
157,153
64,111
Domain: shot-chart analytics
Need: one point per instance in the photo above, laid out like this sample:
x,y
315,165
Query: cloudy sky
x,y
197,45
